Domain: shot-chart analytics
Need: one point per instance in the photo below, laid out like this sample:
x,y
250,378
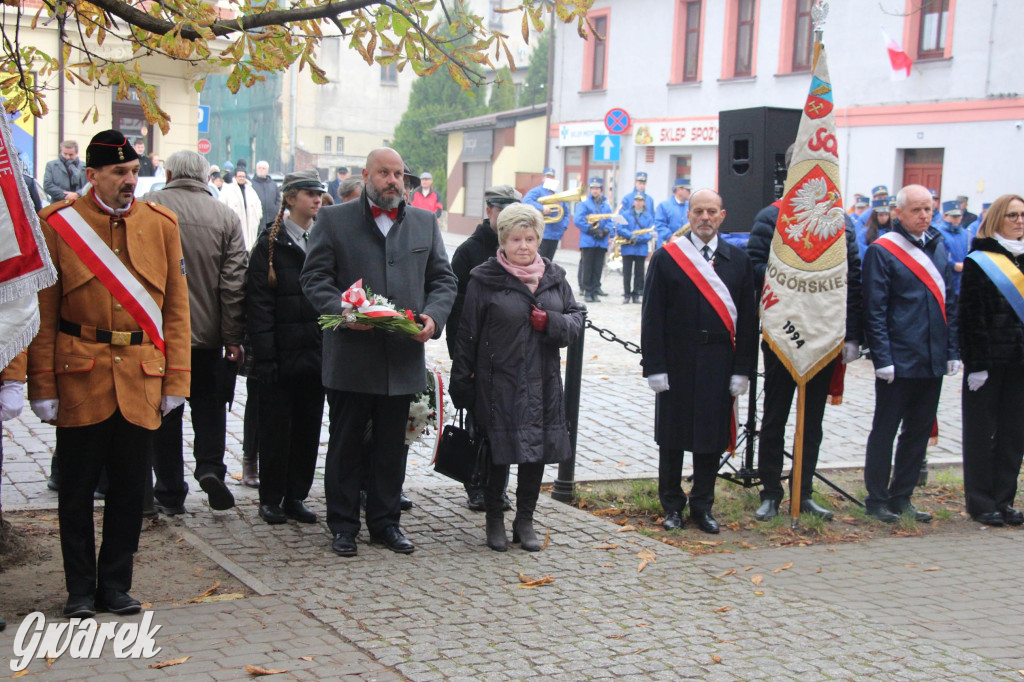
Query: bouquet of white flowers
x,y
366,307
426,412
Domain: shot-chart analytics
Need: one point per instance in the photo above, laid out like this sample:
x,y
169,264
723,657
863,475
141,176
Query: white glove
x,y
46,410
738,385
976,380
851,351
658,382
886,374
170,402
12,399
952,367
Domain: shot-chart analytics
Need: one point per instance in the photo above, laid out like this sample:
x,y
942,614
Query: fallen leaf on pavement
x,y
169,662
531,583
620,464
909,565
716,658
20,673
780,569
237,477
642,566
147,605
205,594
759,593
747,568
608,546
547,539
626,529
819,570
646,553
933,568
229,596
731,571
305,658
710,543
257,671
722,609
757,579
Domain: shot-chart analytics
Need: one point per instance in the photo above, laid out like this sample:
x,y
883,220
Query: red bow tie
x,y
391,212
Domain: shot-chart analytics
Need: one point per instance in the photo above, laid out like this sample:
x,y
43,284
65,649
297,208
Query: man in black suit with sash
x,y
699,338
397,251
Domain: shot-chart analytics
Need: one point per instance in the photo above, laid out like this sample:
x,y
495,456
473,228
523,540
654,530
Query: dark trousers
x,y
913,403
123,448
349,413
290,416
528,480
993,439
779,389
250,420
208,407
547,248
633,268
670,478
593,267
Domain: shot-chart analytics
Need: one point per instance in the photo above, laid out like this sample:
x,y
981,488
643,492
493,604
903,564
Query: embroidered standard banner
x,y
703,275
919,263
1005,275
110,271
25,265
803,304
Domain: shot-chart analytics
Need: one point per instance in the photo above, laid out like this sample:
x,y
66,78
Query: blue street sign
x,y
204,119
616,121
607,148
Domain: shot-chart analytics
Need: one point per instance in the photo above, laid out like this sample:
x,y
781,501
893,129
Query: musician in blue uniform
x,y
957,239
593,238
639,187
552,231
670,215
634,252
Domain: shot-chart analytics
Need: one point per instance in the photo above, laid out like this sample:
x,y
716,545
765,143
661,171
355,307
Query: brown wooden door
x,y
923,167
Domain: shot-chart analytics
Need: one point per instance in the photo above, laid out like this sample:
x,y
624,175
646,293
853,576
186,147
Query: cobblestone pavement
x,y
454,609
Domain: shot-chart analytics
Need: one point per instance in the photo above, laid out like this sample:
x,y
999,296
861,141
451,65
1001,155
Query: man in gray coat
x,y
214,260
397,251
64,177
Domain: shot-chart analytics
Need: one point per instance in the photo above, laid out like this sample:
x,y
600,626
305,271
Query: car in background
x,y
148,184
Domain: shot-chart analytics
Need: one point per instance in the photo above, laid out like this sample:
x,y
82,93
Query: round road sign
x,y
204,146
616,121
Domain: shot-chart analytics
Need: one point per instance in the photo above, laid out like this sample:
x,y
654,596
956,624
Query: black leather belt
x,y
90,333
704,337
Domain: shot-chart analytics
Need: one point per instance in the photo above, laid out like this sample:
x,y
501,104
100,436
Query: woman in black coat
x,y
519,311
992,348
286,345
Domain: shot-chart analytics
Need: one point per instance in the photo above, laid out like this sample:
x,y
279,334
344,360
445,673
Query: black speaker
x,y
752,147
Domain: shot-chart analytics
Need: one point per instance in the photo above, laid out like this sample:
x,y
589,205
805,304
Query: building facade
x,y
949,125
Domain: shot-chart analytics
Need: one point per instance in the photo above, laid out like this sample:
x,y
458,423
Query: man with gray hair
x,y
268,192
214,259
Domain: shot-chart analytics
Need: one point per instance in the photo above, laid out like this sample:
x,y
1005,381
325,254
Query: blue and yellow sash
x,y
1005,275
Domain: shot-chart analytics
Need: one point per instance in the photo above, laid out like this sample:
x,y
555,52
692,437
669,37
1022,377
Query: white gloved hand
x,y
952,367
976,380
12,399
658,382
886,374
46,410
738,385
851,351
170,402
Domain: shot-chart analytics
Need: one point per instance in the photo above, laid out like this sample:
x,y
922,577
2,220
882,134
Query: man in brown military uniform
x,y
112,353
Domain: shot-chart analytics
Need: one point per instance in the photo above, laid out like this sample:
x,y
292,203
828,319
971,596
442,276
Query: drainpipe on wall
x,y
551,78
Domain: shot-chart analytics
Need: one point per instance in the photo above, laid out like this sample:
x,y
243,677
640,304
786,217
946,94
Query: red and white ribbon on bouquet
x,y
439,401
355,298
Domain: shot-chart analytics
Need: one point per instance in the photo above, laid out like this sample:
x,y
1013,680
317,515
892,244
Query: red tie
x,y
391,212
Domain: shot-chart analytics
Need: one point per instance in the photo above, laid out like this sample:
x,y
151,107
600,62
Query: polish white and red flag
x,y
899,60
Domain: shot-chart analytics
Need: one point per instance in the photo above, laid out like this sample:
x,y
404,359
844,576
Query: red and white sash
x,y
703,275
918,262
110,271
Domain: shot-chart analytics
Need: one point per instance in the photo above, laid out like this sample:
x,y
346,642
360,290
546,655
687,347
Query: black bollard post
x,y
565,484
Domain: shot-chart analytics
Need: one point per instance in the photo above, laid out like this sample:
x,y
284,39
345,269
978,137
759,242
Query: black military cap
x,y
109,148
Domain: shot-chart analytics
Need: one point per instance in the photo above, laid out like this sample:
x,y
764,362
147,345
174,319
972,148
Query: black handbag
x,y
462,455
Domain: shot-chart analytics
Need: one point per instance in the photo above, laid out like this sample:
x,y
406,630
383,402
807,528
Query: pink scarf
x,y
527,274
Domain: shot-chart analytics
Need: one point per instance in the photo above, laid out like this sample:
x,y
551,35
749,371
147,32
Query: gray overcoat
x,y
410,267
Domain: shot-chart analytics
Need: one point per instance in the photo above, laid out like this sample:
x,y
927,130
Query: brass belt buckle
x,y
121,338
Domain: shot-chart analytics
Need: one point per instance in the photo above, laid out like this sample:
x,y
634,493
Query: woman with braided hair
x,y
286,342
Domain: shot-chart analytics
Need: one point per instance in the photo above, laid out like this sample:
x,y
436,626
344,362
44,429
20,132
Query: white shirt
x,y
113,211
699,243
384,221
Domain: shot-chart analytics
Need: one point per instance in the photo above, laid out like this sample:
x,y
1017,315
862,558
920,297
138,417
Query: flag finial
x,y
819,12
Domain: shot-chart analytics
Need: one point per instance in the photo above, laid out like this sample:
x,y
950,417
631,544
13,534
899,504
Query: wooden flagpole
x,y
796,474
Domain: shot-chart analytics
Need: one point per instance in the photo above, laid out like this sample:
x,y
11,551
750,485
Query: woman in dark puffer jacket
x,y
519,311
286,344
992,347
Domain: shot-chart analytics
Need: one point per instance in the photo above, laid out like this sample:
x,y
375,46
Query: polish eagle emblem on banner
x,y
816,218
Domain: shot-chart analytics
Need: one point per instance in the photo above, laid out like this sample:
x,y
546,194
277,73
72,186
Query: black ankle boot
x,y
496,538
523,533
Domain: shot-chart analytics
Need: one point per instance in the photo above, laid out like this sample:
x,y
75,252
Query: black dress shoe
x,y
168,510
1012,517
475,500
811,507
344,544
591,298
601,292
919,516
405,501
392,538
636,298
673,521
217,492
768,510
121,603
625,299
52,483
272,514
882,514
992,518
79,606
705,521
297,509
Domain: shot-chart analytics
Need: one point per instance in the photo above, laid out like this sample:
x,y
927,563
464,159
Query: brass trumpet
x,y
595,218
557,198
619,241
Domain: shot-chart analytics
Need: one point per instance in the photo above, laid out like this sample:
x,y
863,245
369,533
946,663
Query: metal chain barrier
x,y
609,335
